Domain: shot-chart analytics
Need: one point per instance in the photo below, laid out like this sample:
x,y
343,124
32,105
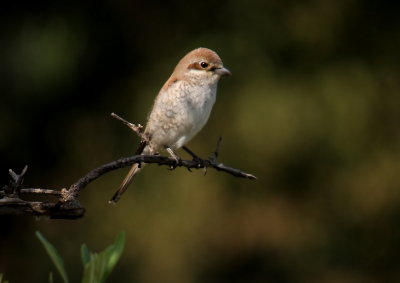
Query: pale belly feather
x,y
180,115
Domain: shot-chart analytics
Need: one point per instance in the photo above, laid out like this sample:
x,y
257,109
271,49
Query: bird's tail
x,y
127,181
143,149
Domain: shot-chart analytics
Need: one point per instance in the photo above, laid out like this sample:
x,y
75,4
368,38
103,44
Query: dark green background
x,y
312,109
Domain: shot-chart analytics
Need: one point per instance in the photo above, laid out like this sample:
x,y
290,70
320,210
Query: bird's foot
x,y
178,160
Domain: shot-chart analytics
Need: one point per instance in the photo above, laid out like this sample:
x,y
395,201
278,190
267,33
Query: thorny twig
x,y
68,206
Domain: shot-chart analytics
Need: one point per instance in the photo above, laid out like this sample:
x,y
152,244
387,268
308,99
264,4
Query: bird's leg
x,y
178,160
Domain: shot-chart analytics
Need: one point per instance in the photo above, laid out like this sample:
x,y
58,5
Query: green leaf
x,y
99,266
113,253
1,279
51,277
55,257
85,254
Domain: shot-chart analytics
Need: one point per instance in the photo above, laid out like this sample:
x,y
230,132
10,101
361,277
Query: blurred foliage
x,y
1,279
312,109
97,266
54,256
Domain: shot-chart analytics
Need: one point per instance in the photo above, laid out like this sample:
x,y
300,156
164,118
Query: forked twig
x,y
68,206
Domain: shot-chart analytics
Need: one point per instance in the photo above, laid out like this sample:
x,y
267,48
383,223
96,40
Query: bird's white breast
x,y
180,112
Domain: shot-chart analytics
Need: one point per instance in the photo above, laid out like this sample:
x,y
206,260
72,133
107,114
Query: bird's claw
x,y
199,161
178,162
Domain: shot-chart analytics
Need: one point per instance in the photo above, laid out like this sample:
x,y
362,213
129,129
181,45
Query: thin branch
x,y
16,182
136,128
191,153
68,206
214,156
41,209
36,191
198,163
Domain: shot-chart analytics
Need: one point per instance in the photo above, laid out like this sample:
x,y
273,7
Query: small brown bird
x,y
182,106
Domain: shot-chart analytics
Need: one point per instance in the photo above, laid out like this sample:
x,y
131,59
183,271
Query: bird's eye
x,y
203,65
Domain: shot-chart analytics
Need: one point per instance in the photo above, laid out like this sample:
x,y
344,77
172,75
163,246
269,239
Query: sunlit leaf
x,y
100,265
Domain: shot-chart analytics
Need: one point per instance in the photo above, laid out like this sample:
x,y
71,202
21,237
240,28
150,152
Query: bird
x,y
181,108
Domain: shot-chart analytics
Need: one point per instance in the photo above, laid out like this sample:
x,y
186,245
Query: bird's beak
x,y
223,71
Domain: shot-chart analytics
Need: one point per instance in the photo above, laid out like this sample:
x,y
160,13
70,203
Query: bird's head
x,y
201,64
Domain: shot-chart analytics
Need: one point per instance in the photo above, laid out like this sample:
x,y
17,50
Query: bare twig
x,y
191,153
136,128
214,156
45,209
68,205
36,191
14,187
